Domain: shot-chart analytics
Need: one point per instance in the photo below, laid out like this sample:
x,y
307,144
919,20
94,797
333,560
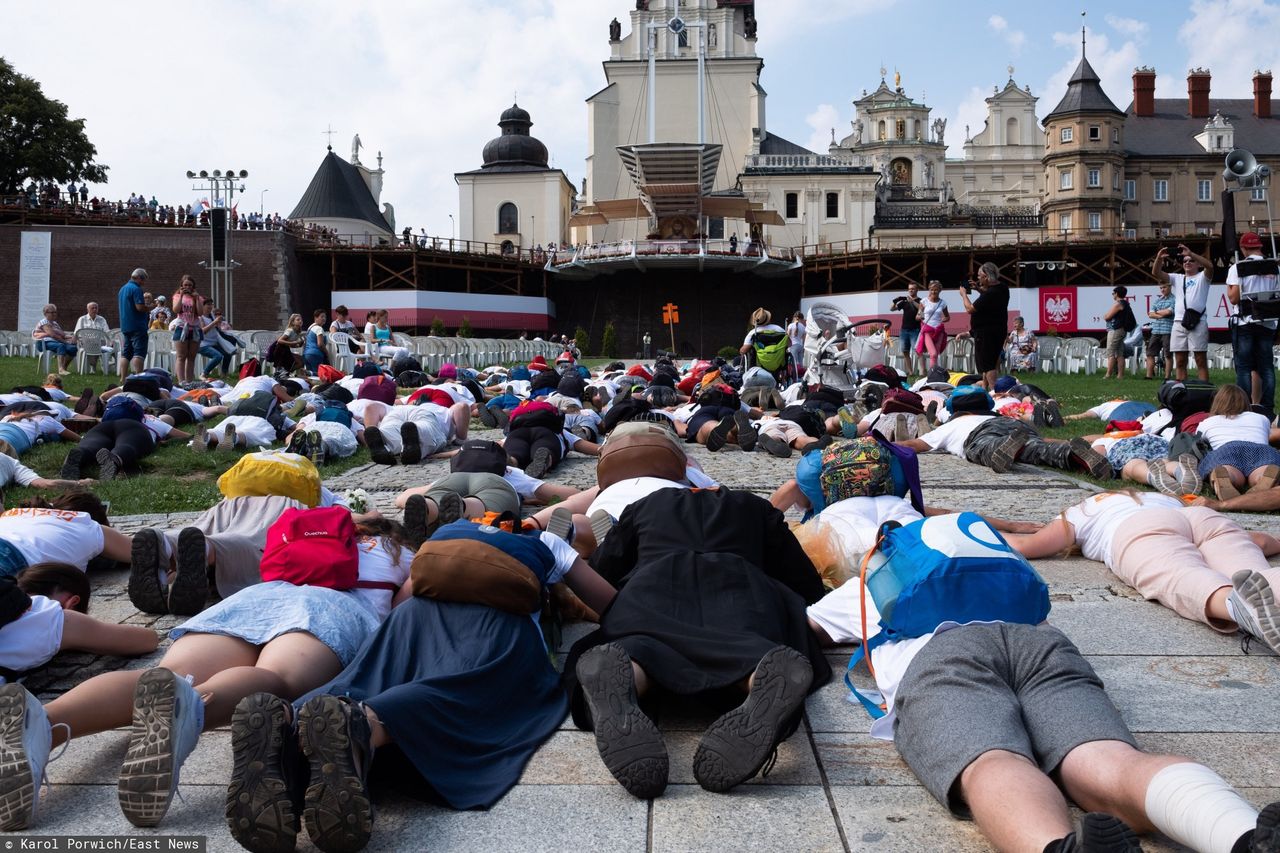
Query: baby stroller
x,y
834,354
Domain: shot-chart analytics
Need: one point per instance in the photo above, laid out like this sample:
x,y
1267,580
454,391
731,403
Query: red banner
x,y
1059,309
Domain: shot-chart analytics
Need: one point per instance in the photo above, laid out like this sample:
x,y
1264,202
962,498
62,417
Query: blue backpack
x,y
334,411
945,568
121,407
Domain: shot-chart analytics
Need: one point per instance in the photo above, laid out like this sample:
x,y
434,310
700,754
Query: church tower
x,y
1084,159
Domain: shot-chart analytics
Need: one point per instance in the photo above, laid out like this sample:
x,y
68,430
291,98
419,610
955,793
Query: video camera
x,y
1264,304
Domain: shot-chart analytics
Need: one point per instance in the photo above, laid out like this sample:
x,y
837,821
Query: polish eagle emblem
x,y
1058,308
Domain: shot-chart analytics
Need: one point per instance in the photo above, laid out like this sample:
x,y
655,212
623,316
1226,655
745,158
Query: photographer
x,y
909,334
1252,337
988,320
1191,305
1120,322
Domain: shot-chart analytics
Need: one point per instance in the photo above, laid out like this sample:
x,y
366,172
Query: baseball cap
x,y
1004,383
1250,240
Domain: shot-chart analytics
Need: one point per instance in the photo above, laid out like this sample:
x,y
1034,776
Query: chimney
x,y
1262,94
1144,91
1198,93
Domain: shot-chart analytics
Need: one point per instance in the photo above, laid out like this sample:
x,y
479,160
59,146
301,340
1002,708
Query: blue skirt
x,y
1247,456
1136,447
466,692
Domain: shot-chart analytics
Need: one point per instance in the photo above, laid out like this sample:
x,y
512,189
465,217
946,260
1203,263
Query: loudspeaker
x,y
1239,164
218,233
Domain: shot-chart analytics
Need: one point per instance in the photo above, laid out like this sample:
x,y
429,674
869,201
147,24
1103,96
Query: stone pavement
x,y
1181,687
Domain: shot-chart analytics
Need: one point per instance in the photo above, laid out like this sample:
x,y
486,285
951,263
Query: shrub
x,y
464,331
609,342
727,353
437,327
582,340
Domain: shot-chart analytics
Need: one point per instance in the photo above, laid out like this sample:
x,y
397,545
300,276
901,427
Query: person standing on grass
x,y
134,311
1191,297
1161,315
988,321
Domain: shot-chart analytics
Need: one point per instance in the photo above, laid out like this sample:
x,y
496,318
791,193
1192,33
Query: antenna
x,y
1082,26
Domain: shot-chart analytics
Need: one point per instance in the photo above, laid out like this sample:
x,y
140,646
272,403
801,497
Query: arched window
x,y
1011,132
508,219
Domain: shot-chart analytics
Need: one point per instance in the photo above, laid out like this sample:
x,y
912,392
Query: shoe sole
x,y
146,784
747,436
260,812
412,453
108,466
1270,476
720,434
190,589
540,465
736,746
415,519
227,443
1266,835
1104,833
449,508
145,592
601,524
337,812
315,447
200,444
1258,594
17,788
1159,477
1053,414
486,416
1006,453
378,447
297,444
629,743
1194,484
71,466
775,447
1223,488
561,523
1095,463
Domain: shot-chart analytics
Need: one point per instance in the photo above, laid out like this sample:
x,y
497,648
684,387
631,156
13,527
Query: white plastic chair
x,y
92,344
959,354
1046,353
44,358
159,349
340,354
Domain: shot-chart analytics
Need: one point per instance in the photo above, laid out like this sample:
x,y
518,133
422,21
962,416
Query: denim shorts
x,y
133,345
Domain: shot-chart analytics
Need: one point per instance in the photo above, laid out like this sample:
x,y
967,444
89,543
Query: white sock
x,y
1196,807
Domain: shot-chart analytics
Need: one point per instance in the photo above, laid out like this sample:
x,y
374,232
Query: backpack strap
x,y
387,585
875,708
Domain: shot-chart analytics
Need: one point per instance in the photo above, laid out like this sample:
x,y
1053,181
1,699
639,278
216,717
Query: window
x,y
1095,177
1068,134
1011,136
715,227
1064,179
508,219
793,206
1257,194
1064,221
1095,221
1204,191
1131,233
1160,190
1115,134
1095,133
1115,180
1130,190
833,205
683,38
1204,229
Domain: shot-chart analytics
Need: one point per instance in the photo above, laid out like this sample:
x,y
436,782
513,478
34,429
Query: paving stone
x,y
751,817
1123,626
900,819
1185,693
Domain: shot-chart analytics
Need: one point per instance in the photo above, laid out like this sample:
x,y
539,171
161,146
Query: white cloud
x,y
1015,39
971,113
1129,27
821,121
1231,38
781,23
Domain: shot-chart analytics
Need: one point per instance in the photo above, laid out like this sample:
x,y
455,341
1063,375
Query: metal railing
x,y
657,249
423,243
802,162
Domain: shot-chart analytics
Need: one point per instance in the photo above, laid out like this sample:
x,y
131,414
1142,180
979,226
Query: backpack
x,y
860,467
1128,322
312,547
334,411
365,368
259,404
771,350
404,363
121,407
720,395
1188,443
477,456
329,373
945,568
252,367
813,424
272,472
1186,398
639,449
902,400
411,379
536,413
378,387
480,564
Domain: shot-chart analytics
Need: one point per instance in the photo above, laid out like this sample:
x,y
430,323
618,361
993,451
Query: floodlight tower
x,y
222,188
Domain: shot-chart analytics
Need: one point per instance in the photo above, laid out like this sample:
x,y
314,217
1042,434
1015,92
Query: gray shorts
x,y
1020,688
1115,343
495,493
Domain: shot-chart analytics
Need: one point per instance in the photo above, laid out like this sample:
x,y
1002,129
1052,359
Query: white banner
x,y
33,278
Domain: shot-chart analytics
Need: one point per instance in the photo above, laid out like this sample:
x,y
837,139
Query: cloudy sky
x,y
167,87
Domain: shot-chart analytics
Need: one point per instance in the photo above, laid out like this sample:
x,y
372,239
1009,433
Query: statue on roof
x,y
615,30
857,131
355,148
939,130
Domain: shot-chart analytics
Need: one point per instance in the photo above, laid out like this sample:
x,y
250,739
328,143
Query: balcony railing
x,y
803,162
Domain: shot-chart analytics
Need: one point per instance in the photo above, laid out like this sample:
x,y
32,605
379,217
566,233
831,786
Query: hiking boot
x,y
146,572
1189,479
449,508
1090,460
747,435
190,588
412,452
486,416
1266,834
315,447
377,445
1159,478
1038,418
335,737
110,466
1053,414
168,716
1098,833
71,466
297,443
541,464
1006,452
720,434
735,747
1254,603
415,520
774,446
25,740
264,797
228,441
630,744
561,523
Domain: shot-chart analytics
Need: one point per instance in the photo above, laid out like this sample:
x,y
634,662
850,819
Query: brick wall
x,y
90,263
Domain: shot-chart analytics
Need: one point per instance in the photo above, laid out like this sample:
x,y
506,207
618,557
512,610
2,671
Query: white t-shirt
x,y
951,436
624,493
53,535
458,393
13,471
376,564
858,519
1196,295
525,486
37,426
246,388
1098,519
33,638
1252,284
931,312
795,332
158,428
1103,411
1246,426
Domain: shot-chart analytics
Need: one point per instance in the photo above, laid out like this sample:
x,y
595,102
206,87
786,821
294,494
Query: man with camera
x,y
988,321
909,332
1191,307
1252,287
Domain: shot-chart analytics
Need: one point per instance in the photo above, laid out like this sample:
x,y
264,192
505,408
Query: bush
x,y
582,340
727,353
437,327
464,331
609,342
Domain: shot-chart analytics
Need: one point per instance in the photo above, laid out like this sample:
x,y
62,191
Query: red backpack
x,y
329,373
249,368
313,547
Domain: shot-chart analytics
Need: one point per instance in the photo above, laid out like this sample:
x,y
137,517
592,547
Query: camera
x,y
966,286
899,303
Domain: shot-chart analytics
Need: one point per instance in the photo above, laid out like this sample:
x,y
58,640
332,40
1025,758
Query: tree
x,y
437,327
464,331
582,340
609,341
37,140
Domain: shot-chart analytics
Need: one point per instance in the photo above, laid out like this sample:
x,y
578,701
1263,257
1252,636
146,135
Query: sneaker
x,y
503,417
25,740
335,736
720,434
1090,460
823,441
415,520
931,412
168,716
315,447
1006,452
561,523
736,746
449,508
264,800
1038,418
71,467
541,464
773,446
1158,478
630,744
1053,414
1098,833
203,440
1266,834
297,443
190,588
486,416
146,572
747,435
110,466
228,441
601,524
377,445
1254,604
412,452
1189,479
